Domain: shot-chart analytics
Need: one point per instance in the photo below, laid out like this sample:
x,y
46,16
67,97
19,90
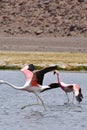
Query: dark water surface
x,y
59,116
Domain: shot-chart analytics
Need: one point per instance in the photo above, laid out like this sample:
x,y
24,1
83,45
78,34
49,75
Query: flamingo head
x,y
56,72
31,67
28,67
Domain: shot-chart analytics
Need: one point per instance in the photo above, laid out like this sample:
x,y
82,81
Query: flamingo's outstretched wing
x,y
51,86
29,75
40,73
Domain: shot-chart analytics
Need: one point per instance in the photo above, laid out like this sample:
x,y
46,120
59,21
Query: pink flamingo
x,y
34,81
70,88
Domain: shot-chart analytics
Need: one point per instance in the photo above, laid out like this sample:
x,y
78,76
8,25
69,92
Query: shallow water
x,y
58,115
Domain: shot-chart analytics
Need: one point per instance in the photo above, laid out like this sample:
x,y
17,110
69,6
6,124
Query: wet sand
x,y
44,44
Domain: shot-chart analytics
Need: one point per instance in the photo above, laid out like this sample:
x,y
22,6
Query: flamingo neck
x,y
13,86
60,83
58,78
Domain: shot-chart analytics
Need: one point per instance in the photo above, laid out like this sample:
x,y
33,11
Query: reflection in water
x,y
58,115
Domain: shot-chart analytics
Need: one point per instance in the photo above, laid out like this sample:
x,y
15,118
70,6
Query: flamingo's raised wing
x,y
28,74
40,74
78,93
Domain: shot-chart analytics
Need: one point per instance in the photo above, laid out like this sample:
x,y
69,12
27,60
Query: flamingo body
x,y
34,80
70,88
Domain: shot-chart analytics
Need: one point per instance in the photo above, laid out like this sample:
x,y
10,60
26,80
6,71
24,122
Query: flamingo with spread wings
x,y
34,80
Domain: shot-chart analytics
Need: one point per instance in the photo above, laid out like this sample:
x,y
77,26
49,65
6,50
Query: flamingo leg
x,y
38,98
28,105
73,97
31,104
67,97
41,101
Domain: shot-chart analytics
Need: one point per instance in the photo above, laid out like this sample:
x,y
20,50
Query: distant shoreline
x,y
44,44
66,61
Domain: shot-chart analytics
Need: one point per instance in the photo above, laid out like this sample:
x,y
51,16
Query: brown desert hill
x,y
43,18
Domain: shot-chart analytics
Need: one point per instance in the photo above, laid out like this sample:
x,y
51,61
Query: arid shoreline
x,y
69,53
44,44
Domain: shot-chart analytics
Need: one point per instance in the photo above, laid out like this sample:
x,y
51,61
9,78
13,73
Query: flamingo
x,y
70,88
34,81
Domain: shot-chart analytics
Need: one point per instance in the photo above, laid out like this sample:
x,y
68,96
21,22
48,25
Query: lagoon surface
x,y
58,115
